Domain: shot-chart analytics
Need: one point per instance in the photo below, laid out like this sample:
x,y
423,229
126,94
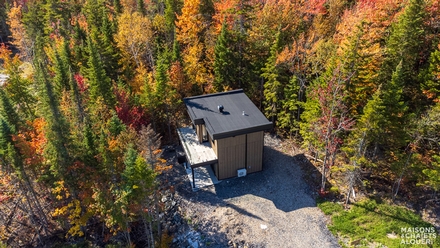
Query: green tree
x,y
225,67
431,77
141,7
273,88
396,116
288,116
8,111
100,83
117,6
57,129
404,47
107,47
171,10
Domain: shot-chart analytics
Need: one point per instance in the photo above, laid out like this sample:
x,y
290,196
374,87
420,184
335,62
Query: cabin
x,y
226,133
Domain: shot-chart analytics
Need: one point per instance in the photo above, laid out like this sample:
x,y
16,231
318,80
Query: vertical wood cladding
x,y
255,143
231,155
199,132
213,145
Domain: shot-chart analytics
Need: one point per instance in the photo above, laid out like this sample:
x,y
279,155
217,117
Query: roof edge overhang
x,y
213,94
199,120
233,133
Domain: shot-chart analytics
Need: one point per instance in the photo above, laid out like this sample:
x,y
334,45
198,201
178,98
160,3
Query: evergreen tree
x,y
396,116
8,111
117,6
79,49
141,7
225,68
100,83
57,129
171,9
176,51
61,74
273,88
5,136
288,115
33,20
161,78
431,77
108,49
404,46
367,132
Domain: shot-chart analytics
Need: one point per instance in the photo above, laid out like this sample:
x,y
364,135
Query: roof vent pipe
x,y
220,108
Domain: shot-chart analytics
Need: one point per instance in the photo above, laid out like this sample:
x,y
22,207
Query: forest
x,y
95,88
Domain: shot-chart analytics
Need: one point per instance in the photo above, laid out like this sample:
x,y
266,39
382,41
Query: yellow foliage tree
x,y
18,31
189,29
134,38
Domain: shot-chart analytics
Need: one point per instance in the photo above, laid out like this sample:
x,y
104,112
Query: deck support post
x,y
194,182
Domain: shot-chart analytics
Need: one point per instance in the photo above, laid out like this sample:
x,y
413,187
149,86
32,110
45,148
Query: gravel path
x,y
272,208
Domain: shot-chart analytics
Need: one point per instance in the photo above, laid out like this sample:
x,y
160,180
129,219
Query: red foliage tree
x,y
130,114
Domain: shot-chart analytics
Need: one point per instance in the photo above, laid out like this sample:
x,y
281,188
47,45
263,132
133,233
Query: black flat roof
x,y
231,122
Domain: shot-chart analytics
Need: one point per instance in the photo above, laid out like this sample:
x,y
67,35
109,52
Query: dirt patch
x,y
272,208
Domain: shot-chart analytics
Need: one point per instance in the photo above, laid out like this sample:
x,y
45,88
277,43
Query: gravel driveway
x,y
272,208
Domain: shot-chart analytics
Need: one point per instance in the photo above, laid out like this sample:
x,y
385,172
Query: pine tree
x,y
57,129
225,75
431,78
272,87
100,83
176,56
141,7
396,115
62,74
107,47
161,78
404,46
90,151
170,12
79,49
117,6
288,115
8,112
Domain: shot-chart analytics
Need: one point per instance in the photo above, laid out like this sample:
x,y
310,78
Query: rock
x,y
177,219
172,229
355,242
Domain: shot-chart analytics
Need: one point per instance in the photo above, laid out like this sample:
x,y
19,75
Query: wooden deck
x,y
197,154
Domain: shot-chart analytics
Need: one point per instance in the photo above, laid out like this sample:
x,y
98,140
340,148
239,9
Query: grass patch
x,y
372,224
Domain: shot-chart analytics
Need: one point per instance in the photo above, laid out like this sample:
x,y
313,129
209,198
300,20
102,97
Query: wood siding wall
x,y
214,147
199,132
255,144
231,156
